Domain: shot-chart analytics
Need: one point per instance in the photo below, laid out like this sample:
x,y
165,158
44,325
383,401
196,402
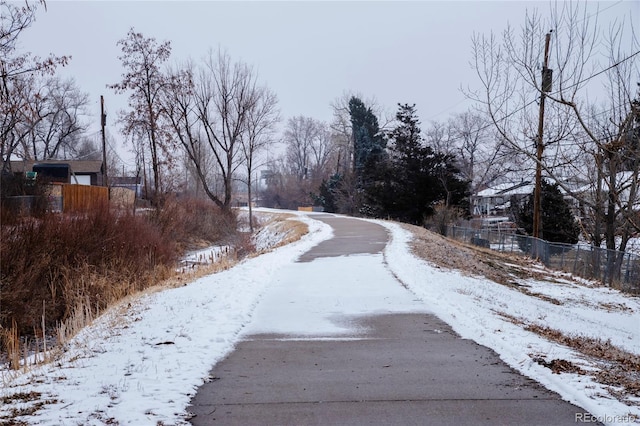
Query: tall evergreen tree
x,y
418,177
410,173
369,155
368,141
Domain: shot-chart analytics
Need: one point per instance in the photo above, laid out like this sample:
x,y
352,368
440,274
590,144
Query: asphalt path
x,y
347,344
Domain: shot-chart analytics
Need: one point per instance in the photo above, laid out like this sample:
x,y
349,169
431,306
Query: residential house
x,y
64,171
496,201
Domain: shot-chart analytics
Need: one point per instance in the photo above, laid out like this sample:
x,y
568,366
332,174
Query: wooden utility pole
x,y
545,87
103,123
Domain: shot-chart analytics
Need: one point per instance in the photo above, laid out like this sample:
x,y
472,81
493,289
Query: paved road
x,y
339,347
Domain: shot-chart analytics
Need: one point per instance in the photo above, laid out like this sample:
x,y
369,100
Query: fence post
x,y
575,260
626,274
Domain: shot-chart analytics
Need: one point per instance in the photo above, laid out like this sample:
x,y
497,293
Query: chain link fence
x,y
617,269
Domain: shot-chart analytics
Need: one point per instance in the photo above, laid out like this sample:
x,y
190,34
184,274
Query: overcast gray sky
x,y
308,53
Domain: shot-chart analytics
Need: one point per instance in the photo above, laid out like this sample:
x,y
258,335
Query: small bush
x,y
442,217
188,221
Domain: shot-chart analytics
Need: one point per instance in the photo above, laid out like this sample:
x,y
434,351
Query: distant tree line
x,y
209,128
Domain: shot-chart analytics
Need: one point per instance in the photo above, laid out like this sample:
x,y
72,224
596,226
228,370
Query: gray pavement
x,y
393,368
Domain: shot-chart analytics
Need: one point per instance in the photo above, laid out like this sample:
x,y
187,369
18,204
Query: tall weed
x,y
61,259
189,221
59,271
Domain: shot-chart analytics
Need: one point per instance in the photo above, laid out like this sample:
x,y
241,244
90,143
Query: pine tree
x,y
328,193
418,177
368,141
369,156
558,223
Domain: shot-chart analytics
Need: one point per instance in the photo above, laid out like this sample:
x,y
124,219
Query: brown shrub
x,y
57,260
188,221
59,271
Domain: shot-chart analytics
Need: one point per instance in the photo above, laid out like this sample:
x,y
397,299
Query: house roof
x,y
84,166
507,189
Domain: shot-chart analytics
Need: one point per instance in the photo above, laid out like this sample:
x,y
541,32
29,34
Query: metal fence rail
x,y
614,268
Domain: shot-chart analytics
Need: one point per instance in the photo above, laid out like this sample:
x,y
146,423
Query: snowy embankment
x,y
140,364
495,316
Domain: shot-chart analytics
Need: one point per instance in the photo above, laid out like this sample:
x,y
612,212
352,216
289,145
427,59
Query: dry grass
x,y
616,368
471,260
63,261
59,272
286,229
193,223
102,261
187,275
10,340
503,268
29,404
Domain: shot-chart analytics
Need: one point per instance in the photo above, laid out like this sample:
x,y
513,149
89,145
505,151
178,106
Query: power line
x,y
448,109
584,19
556,92
114,151
601,10
602,71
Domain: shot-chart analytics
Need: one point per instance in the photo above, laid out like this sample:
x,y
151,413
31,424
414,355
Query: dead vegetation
x,y
30,403
282,231
442,252
89,288
60,271
559,365
503,268
615,368
618,369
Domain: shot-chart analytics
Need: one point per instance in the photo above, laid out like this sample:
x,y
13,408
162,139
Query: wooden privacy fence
x,y
83,197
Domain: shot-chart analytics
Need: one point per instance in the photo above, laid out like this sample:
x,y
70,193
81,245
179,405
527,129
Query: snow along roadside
x,y
142,363
470,306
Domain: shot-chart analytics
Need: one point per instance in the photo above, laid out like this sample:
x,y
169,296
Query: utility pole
x,y
103,123
545,88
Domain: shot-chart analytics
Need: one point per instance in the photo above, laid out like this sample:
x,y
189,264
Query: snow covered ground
x,y
141,363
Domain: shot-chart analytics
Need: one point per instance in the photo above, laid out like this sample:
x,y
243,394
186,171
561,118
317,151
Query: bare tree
x,y
572,137
299,136
440,138
470,138
342,134
17,74
323,150
225,96
258,135
310,156
16,112
87,149
283,189
212,109
54,121
145,81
